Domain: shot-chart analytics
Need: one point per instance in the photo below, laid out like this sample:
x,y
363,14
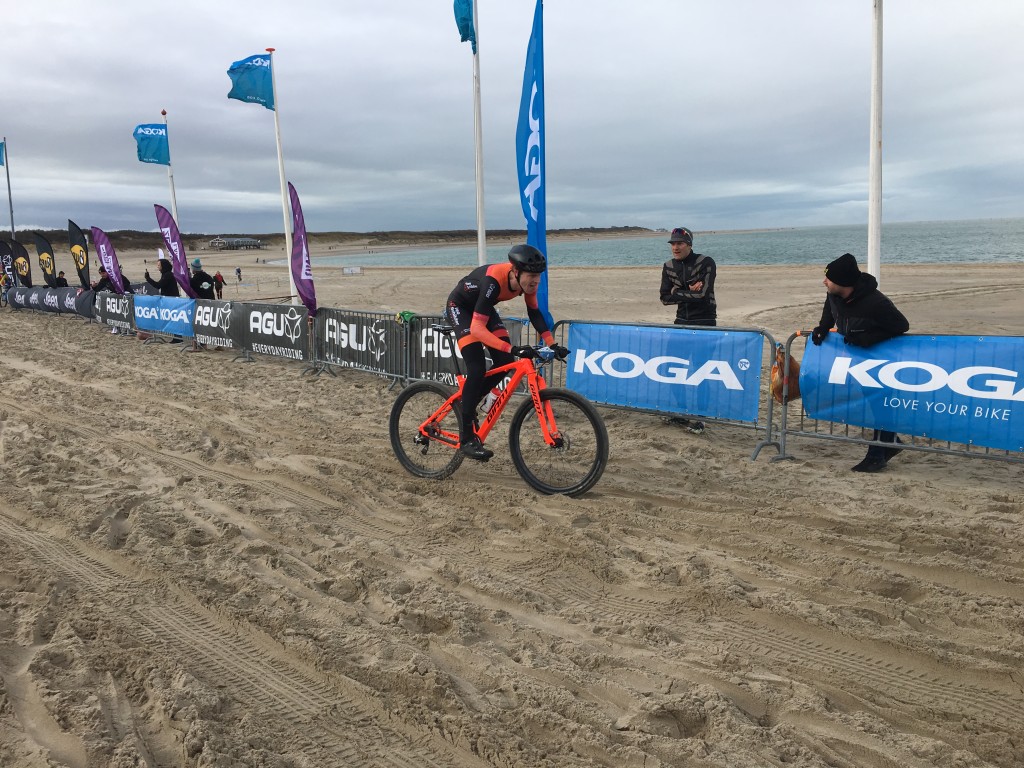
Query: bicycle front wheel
x,y
576,462
425,446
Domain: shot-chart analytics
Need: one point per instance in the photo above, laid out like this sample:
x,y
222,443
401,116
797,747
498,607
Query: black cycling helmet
x,y
526,258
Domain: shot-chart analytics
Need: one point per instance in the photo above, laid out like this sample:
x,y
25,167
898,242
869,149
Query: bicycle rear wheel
x,y
431,452
576,463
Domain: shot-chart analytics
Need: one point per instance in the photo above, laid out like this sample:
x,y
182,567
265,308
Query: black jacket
x,y
167,285
867,317
677,275
104,284
200,279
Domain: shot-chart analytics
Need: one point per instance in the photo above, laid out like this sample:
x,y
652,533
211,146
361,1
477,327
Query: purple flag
x,y
108,258
301,273
172,237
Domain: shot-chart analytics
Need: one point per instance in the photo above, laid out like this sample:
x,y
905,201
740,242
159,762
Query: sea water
x,y
983,241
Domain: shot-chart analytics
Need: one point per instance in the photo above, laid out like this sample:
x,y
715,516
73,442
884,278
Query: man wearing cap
x,y
864,316
105,283
688,281
200,281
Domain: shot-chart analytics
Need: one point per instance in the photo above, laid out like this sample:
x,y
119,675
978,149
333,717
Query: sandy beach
x,y
215,563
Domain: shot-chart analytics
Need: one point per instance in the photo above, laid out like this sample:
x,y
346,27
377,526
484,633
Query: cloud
x,y
727,115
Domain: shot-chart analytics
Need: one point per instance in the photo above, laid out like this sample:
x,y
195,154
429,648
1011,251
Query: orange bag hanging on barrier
x,y
792,376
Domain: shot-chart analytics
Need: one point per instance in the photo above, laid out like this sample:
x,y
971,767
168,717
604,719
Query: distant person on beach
x,y
688,281
201,282
218,284
471,311
864,316
61,281
238,273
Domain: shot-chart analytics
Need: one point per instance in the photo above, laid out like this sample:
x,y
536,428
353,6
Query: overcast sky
x,y
713,114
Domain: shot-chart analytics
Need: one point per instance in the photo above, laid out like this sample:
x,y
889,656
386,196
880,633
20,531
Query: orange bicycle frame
x,y
518,369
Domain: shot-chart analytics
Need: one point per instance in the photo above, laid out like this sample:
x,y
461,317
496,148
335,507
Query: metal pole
x,y
10,200
284,184
481,228
875,160
170,174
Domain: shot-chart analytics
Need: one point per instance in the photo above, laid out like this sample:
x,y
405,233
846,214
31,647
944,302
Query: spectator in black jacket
x,y
864,316
61,281
104,283
201,282
166,284
688,281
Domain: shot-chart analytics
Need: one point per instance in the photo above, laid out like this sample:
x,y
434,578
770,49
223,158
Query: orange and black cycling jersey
x,y
471,307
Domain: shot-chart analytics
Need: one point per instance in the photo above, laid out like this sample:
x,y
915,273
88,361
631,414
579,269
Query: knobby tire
x,y
576,466
414,405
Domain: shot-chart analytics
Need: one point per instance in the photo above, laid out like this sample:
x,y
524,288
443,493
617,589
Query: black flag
x,y
47,265
22,266
80,253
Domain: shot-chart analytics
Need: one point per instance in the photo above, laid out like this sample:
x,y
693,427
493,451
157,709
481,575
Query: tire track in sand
x,y
318,710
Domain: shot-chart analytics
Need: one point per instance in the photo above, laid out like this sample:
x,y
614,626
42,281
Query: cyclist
x,y
471,312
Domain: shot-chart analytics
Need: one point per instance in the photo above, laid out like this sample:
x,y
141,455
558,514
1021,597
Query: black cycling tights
x,y
477,382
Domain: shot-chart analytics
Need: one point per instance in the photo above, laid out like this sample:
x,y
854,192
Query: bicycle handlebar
x,y
545,354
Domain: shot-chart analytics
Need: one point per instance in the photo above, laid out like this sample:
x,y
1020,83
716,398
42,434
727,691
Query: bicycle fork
x,y
546,417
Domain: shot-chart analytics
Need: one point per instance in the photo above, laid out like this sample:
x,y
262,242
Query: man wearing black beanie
x,y
864,316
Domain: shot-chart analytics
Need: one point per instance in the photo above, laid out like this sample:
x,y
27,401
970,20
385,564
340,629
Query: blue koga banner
x,y
965,389
164,314
697,372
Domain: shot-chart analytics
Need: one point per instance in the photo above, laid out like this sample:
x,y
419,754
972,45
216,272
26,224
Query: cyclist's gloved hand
x,y
560,352
528,352
818,336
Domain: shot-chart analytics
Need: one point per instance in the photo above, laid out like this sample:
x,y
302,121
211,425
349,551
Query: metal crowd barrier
x,y
764,423
795,422
406,347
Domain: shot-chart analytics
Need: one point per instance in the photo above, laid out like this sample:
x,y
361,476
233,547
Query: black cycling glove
x,y
560,352
528,352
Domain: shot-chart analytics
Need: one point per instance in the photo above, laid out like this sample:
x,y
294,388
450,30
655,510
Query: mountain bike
x,y
563,450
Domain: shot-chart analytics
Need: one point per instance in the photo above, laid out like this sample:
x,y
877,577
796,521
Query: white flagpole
x,y
481,228
875,160
284,184
170,173
10,200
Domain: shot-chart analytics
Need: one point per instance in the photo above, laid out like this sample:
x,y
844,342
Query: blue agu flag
x,y
251,81
530,150
152,143
3,148
464,19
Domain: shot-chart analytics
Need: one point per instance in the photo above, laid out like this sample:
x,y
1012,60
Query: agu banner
x,y
966,389
697,372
